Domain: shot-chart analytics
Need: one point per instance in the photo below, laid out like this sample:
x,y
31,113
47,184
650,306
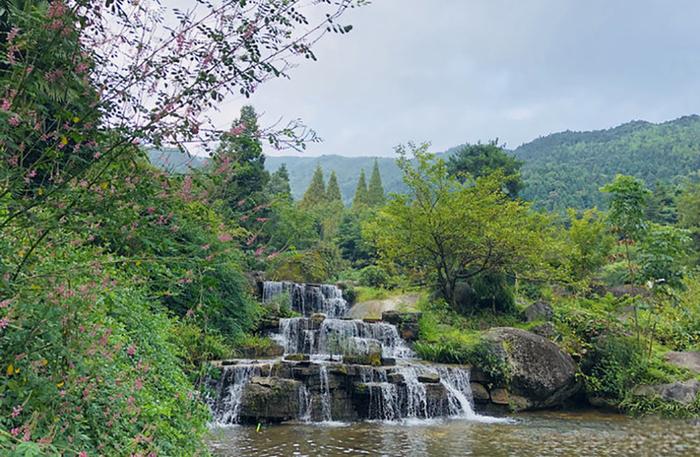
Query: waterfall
x,y
398,390
307,299
326,413
338,336
229,391
305,404
459,392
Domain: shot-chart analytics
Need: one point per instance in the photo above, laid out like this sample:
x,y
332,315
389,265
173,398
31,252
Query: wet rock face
x,y
406,323
541,374
270,399
682,392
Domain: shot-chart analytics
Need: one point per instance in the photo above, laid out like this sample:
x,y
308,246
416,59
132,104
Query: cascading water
x,y
326,413
307,298
402,388
227,401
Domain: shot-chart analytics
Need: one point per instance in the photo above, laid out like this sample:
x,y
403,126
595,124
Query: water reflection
x,y
550,434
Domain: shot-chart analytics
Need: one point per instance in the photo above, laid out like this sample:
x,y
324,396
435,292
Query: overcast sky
x,y
452,71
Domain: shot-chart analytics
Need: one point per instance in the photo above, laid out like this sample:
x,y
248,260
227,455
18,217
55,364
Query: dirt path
x,y
373,309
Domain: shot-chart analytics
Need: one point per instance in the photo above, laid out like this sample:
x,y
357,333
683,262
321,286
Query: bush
x,y
613,367
486,291
374,276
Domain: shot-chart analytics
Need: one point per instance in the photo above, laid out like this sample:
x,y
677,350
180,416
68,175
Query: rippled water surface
x,y
546,434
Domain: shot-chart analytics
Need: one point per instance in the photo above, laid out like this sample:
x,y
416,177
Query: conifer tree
x,y
316,193
361,192
333,190
375,192
278,185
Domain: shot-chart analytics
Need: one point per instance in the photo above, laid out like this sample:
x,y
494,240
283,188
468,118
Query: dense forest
x,y
120,282
566,169
559,171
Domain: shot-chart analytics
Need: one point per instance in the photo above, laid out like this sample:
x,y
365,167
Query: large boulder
x,y
682,392
540,374
688,360
538,311
270,400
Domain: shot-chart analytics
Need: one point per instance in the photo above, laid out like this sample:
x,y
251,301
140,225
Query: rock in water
x,y
541,374
272,399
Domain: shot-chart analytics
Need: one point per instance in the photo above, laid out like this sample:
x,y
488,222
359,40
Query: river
x,y
536,434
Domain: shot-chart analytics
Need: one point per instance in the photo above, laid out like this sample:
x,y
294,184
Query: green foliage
x,y
628,198
86,353
319,264
479,160
564,170
361,197
486,291
445,230
445,342
316,193
375,191
661,204
374,276
613,367
240,154
590,242
353,246
278,185
333,191
662,254
689,214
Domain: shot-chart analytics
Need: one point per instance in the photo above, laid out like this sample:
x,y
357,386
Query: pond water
x,y
536,434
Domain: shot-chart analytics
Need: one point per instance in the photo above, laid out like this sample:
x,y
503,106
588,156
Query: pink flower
x,y
131,350
225,237
16,411
83,454
12,35
4,322
6,104
138,384
13,121
237,129
15,431
259,251
5,303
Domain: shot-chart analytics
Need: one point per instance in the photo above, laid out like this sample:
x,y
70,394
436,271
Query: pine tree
x,y
333,190
242,150
361,192
278,186
316,193
375,193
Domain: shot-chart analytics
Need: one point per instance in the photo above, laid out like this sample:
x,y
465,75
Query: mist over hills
x,y
560,170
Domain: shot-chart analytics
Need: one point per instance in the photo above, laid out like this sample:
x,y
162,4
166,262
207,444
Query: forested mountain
x,y
566,169
561,170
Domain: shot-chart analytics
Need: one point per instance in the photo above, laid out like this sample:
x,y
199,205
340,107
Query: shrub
x,y
485,291
374,276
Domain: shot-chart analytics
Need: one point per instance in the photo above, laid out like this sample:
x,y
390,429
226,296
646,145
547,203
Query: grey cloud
x,y
451,71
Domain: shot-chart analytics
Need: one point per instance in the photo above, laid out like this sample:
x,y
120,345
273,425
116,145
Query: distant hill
x,y
567,169
560,170
346,168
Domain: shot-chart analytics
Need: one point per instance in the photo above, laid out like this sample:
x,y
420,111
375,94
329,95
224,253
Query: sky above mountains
x,y
455,71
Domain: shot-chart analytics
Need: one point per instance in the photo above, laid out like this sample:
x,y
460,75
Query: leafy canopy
x,y
445,229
